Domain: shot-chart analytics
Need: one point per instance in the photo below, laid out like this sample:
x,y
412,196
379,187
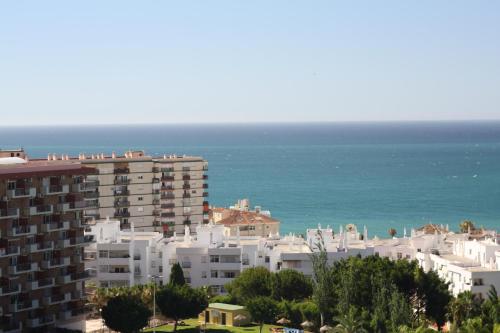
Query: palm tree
x,y
461,307
349,323
466,225
392,232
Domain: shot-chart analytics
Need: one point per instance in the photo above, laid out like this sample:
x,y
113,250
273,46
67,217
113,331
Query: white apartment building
x,y
214,258
122,258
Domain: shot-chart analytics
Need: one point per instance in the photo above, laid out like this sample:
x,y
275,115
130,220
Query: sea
x,y
383,175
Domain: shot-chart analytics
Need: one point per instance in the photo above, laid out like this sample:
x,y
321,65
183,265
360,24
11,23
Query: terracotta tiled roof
x,y
242,217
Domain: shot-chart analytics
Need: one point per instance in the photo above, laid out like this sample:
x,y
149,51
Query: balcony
x,y
186,177
205,177
71,206
22,230
186,264
121,170
41,321
10,290
41,209
169,214
167,178
186,195
29,192
37,247
167,188
168,205
205,186
186,186
122,214
89,186
57,298
121,193
122,203
55,189
24,305
187,222
63,243
41,283
122,181
9,213
205,194
168,196
9,251
23,268
137,257
82,240
91,195
56,262
80,276
55,226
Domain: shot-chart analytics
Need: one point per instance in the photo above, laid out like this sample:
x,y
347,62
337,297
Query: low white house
x,y
122,258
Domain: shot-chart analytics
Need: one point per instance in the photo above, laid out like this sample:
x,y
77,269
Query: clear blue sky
x,y
238,61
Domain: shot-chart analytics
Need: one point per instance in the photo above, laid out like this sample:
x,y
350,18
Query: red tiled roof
x,y
242,217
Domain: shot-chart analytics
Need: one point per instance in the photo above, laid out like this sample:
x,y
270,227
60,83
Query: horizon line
x,y
313,122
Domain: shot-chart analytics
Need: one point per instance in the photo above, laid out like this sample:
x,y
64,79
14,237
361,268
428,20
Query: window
x,y
214,274
160,269
214,258
229,275
266,259
203,275
399,255
103,268
140,209
103,254
139,177
140,198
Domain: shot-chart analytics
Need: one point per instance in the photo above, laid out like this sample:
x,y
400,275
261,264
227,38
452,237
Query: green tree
x,y
349,323
252,282
392,232
126,314
323,292
263,309
435,295
466,225
177,275
463,307
473,325
291,285
180,302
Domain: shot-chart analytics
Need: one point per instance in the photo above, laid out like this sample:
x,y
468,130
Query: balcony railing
x,y
121,193
121,170
10,289
9,251
56,189
167,188
168,205
9,213
122,214
168,214
122,203
205,186
21,192
41,209
168,196
47,227
186,177
205,194
22,230
122,181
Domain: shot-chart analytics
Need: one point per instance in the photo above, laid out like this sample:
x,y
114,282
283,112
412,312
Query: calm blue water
x,y
382,175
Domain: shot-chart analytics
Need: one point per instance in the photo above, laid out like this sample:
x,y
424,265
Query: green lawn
x,y
192,326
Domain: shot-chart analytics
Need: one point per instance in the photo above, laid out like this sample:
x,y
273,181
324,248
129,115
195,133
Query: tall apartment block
x,y
41,244
154,193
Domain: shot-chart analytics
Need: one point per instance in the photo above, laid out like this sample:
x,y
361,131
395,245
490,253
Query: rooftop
x,y
223,306
243,217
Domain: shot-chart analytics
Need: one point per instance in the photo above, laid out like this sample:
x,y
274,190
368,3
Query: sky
x,y
115,62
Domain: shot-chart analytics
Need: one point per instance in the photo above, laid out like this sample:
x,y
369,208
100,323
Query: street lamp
x,y
153,278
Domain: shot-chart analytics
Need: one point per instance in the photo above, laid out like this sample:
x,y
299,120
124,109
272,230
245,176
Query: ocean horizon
x,y
382,175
